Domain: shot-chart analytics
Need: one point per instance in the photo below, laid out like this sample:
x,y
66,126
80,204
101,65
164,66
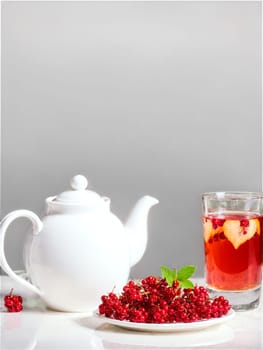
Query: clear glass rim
x,y
217,195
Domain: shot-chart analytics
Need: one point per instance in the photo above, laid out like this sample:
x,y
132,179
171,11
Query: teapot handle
x,y
37,227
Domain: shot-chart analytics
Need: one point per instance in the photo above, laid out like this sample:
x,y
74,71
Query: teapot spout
x,y
136,228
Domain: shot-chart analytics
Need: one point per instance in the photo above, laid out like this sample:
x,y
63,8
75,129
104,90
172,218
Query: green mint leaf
x,y
185,273
167,274
165,271
174,274
182,276
170,280
186,284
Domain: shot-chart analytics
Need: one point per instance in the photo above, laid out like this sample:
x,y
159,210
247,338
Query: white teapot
x,y
79,250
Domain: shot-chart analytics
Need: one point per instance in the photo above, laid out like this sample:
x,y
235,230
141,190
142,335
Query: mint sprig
x,y
182,275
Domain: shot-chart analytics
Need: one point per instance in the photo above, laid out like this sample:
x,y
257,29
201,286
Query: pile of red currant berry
x,y
13,303
152,300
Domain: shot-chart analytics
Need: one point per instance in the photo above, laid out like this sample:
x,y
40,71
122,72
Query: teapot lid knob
x,y
79,182
78,194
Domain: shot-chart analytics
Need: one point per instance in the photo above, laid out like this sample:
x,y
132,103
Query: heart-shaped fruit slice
x,y
238,234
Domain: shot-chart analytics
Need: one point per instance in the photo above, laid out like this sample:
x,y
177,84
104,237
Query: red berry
x,y
13,303
217,222
152,300
244,222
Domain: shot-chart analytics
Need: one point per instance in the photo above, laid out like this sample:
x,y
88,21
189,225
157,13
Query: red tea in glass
x,y
233,246
233,251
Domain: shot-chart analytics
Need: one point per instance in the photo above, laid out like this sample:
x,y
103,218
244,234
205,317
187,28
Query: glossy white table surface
x,y
36,327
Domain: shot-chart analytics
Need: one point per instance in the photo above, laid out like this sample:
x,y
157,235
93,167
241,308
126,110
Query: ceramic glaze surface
x,y
79,250
81,261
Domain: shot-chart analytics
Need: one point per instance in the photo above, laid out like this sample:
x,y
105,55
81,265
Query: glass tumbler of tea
x,y
232,231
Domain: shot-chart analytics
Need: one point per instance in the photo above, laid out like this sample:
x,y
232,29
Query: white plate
x,y
168,327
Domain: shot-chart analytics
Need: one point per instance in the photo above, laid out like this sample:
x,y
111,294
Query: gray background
x,y
160,98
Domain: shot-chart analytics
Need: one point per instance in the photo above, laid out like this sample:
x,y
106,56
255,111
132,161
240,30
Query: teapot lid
x,y
79,194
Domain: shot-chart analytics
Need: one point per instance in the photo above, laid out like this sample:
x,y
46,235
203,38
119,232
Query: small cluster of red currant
x,y
13,303
152,300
